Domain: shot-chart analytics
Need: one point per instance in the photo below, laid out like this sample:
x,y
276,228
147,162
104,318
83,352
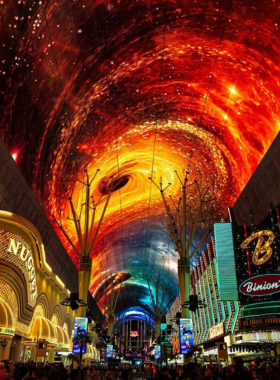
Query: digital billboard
x,y
157,352
134,333
81,324
109,351
186,335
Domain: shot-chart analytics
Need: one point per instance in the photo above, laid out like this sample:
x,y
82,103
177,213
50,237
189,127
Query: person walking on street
x,y
150,372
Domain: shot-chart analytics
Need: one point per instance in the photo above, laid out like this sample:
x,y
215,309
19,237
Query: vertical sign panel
x,y
227,281
157,352
81,324
186,335
109,351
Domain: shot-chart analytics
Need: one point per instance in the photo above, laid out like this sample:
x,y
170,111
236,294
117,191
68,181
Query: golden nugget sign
x,y
15,250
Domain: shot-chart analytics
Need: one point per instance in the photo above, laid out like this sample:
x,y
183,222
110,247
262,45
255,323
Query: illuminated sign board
x,y
109,353
157,352
256,264
14,249
175,345
216,330
134,333
261,285
225,258
259,323
263,250
186,335
81,324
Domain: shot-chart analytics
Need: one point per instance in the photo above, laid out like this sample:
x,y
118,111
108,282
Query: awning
x,y
6,319
42,328
62,337
92,352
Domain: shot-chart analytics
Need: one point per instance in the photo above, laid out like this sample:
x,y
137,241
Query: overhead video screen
x,y
137,89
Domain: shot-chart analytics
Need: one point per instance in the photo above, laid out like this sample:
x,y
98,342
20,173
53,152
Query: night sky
x,y
138,89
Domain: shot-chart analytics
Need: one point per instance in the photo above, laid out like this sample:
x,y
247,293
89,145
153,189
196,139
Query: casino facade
x,y
30,294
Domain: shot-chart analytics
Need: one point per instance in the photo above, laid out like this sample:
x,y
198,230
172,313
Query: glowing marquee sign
x,y
217,330
14,249
25,255
262,252
261,285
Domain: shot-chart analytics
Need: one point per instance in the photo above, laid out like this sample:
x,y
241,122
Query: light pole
x,y
86,232
177,228
158,301
110,303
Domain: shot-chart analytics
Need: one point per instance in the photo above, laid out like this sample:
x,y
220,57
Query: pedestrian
x,y
2,370
149,372
94,374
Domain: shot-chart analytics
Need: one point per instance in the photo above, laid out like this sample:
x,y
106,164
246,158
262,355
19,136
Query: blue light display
x,y
80,324
109,351
157,352
186,335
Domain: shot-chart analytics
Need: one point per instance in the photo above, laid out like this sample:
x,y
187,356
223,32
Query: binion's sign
x,y
257,262
261,285
263,250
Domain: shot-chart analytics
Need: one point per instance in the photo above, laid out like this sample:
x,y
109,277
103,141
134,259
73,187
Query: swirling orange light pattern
x,y
135,88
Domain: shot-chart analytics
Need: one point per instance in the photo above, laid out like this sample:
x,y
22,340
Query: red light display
x,y
134,88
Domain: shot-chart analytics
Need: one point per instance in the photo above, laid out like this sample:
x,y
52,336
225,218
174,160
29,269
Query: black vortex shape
x,y
116,184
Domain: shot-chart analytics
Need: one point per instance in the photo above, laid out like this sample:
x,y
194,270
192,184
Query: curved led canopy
x,y
138,89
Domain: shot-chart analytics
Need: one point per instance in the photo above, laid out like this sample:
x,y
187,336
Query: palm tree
x,y
82,338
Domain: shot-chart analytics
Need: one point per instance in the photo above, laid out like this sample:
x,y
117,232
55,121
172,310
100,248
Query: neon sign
x,y
217,330
25,255
261,285
262,252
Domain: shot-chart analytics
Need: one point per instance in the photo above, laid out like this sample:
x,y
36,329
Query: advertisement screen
x,y
80,324
157,352
186,335
109,351
134,333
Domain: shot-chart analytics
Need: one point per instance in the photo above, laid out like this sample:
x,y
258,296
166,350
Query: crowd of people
x,y
236,371
190,371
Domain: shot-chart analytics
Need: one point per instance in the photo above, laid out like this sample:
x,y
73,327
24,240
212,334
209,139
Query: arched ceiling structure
x,y
138,88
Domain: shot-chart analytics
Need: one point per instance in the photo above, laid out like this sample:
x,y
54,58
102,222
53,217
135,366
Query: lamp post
x,y
177,228
162,294
86,232
110,303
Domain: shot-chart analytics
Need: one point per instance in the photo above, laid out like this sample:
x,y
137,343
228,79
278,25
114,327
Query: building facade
x,y
30,294
218,320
